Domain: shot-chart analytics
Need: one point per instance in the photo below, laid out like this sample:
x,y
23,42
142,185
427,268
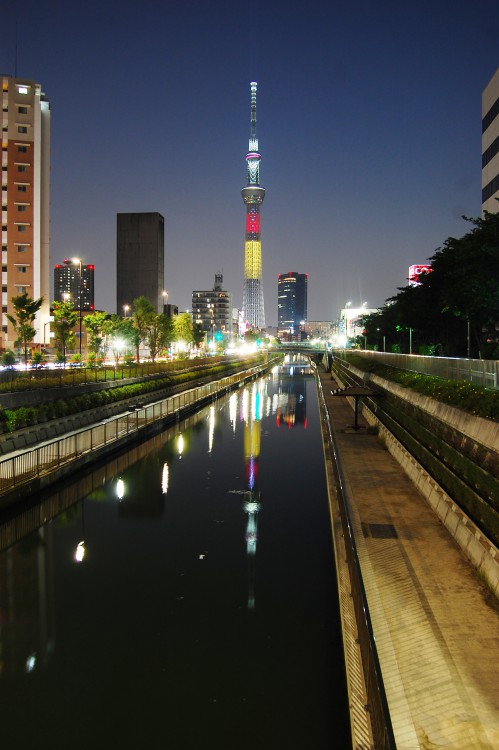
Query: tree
x,y
25,310
455,307
121,334
94,324
197,334
8,358
467,271
183,329
65,319
142,315
160,334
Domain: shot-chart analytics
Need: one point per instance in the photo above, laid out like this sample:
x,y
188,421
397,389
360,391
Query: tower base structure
x,y
253,306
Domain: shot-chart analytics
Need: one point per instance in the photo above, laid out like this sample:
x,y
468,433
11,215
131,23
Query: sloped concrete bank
x,y
74,427
27,437
473,438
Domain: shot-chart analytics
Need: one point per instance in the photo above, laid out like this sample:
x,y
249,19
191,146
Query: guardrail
x,y
31,464
484,372
381,725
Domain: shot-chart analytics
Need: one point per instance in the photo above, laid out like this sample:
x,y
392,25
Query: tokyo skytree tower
x,y
253,195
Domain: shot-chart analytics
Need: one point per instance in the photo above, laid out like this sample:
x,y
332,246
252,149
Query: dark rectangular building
x,y
140,259
292,305
71,286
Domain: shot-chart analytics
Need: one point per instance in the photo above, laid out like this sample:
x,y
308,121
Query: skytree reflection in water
x,y
251,408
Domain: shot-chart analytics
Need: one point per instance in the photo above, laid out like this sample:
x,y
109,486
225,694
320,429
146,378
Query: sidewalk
x,y
436,624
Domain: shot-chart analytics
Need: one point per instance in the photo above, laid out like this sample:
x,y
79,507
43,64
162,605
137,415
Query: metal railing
x,y
377,704
484,372
31,464
23,380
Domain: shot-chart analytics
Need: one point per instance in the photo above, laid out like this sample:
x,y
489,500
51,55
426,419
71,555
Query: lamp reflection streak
x,y
211,430
165,478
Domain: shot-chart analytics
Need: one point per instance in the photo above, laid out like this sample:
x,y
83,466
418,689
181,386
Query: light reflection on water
x,y
202,610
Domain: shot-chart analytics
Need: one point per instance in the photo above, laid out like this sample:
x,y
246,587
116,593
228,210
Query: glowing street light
x,y
79,552
126,309
120,489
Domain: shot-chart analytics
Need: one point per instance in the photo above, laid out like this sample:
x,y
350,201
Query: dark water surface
x,y
204,611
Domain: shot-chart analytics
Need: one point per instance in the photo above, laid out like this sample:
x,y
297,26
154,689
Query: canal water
x,y
182,595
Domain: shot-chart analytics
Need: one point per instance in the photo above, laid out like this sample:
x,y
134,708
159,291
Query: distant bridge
x,y
297,346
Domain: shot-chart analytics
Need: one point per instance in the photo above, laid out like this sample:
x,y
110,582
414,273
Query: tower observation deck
x,y
253,195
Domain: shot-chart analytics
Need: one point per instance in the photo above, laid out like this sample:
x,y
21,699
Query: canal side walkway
x,y
435,622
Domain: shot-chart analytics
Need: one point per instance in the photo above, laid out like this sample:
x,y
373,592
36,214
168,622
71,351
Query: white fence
x,y
483,372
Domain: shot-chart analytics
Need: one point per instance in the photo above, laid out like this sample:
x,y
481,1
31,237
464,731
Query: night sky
x,y
369,125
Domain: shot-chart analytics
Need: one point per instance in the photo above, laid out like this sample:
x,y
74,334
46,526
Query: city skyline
x,y
370,118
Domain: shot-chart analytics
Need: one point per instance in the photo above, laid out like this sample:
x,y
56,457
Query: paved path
x,y
436,624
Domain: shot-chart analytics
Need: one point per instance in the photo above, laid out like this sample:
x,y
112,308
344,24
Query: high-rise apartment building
x,y
74,282
490,145
253,195
140,259
212,310
291,305
25,201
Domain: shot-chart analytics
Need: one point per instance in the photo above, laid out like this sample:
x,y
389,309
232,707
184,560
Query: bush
x,y
474,399
16,418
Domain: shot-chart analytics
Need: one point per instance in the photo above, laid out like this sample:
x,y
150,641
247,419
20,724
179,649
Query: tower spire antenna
x,y
253,195
253,137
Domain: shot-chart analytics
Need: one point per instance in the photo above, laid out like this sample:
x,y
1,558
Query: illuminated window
x,y
22,89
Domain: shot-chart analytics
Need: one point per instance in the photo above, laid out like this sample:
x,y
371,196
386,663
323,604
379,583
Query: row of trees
x,y
454,311
144,326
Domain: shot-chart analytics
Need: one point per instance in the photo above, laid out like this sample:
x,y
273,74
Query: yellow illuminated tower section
x,y
253,195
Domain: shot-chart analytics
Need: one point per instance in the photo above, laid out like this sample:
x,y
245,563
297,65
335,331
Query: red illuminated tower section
x,y
253,195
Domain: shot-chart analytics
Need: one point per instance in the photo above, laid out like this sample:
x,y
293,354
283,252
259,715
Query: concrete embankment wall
x,y
27,437
482,553
174,404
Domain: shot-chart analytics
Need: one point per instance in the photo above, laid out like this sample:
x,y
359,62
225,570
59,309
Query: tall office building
x,y
75,283
25,201
212,310
291,305
140,259
490,145
253,195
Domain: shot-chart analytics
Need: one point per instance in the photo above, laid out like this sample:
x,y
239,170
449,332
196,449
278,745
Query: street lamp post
x,y
47,323
78,262
126,309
